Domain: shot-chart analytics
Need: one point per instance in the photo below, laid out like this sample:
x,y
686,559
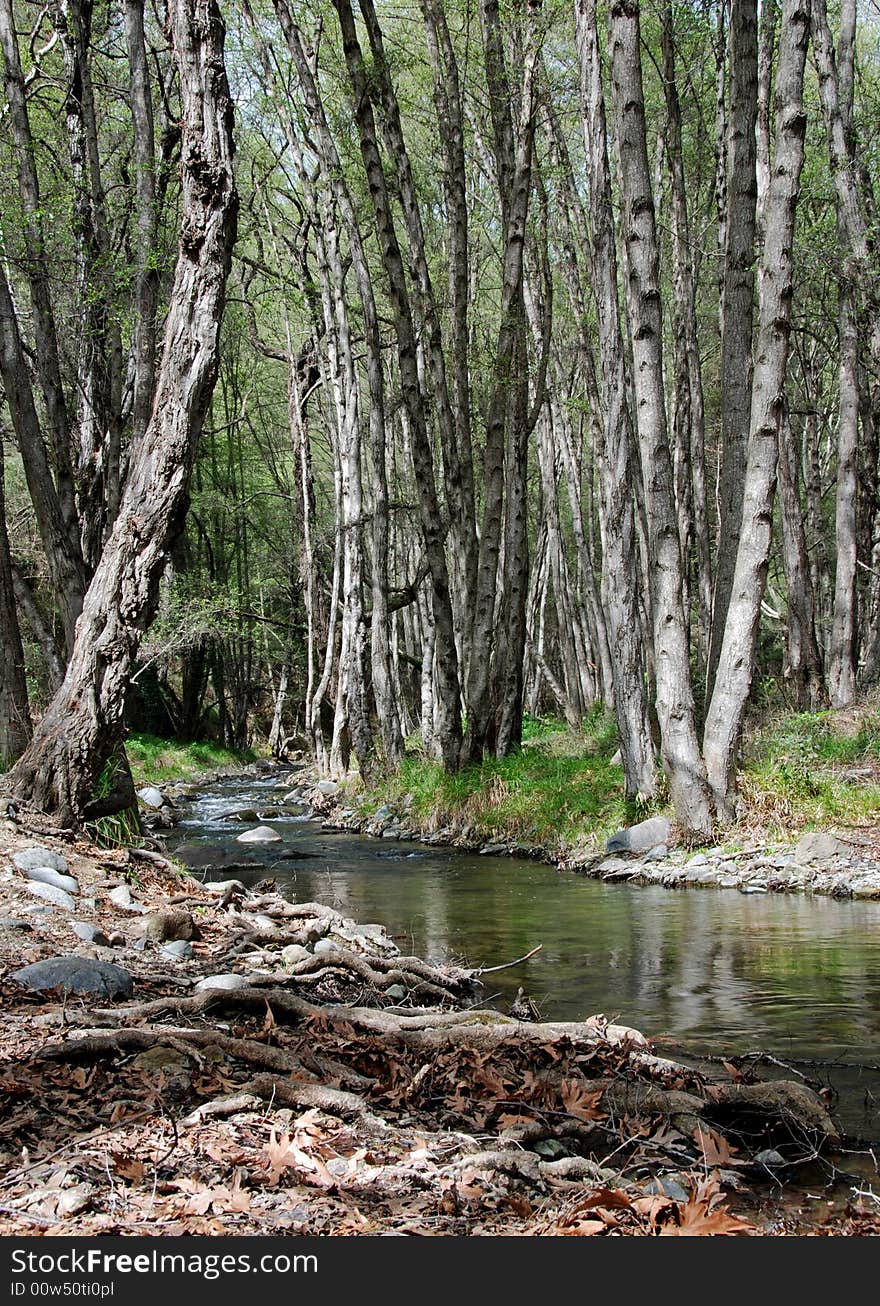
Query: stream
x,y
700,971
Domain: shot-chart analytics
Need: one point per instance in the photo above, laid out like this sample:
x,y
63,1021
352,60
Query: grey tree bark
x,y
736,662
82,729
620,567
15,718
736,307
675,702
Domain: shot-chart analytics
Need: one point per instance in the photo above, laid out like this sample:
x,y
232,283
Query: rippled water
x,y
711,971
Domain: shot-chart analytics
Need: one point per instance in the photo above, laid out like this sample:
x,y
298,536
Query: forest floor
x,y
320,1083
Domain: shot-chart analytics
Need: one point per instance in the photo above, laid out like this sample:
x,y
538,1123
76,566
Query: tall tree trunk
x,y
736,307
15,719
803,661
147,284
736,662
63,556
620,566
689,377
82,728
423,461
47,358
675,703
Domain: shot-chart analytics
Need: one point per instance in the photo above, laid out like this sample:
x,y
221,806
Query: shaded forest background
x,y
548,379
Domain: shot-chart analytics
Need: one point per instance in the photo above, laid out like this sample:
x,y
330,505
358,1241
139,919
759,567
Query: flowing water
x,y
705,971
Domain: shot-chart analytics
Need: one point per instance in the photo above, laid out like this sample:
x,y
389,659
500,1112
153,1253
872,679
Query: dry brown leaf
x,y
579,1102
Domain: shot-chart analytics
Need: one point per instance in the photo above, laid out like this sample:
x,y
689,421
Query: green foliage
x,y
558,789
795,774
122,828
155,760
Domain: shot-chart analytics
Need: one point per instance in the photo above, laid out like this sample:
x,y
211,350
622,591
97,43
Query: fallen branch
x,y
507,965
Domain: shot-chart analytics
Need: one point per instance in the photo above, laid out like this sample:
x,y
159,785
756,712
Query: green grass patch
x,y
156,761
795,771
559,789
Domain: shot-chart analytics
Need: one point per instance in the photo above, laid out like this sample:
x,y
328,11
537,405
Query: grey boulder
x,y
640,838
818,848
31,858
76,975
151,797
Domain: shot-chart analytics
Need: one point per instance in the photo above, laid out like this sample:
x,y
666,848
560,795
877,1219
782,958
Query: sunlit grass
x,y
154,760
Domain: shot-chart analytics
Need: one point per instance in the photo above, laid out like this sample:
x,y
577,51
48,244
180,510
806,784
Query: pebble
x,y
90,934
178,949
228,981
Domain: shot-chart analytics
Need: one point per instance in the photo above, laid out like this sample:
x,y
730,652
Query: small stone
x,y
169,1061
49,893
178,950
658,853
90,934
818,848
220,886
76,975
639,838
391,833
384,813
294,953
151,797
493,850
260,834
769,1157
228,981
11,923
45,875
120,896
327,787
666,1186
31,858
396,991
324,946
698,859
753,888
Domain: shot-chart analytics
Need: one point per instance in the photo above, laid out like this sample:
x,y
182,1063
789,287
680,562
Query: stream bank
x,y
276,1067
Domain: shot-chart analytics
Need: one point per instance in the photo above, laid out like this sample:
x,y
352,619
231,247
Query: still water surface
x,y
711,971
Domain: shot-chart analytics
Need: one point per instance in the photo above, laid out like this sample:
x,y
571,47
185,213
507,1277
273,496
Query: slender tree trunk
x,y
620,567
842,669
803,661
737,657
47,357
689,383
675,703
82,728
423,462
147,284
63,556
736,307
15,718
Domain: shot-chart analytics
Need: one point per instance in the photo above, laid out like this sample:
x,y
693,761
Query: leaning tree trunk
x,y
83,725
736,661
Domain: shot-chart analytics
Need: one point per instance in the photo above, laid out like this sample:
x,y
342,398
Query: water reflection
x,y
714,970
